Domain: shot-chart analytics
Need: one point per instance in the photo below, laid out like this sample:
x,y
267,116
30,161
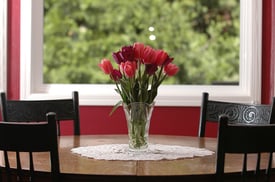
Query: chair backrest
x,y
29,137
244,139
35,110
237,112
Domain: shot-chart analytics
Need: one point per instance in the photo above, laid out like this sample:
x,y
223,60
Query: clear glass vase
x,y
138,116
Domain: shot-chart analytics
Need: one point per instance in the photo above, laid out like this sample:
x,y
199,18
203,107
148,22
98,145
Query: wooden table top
x,y
75,165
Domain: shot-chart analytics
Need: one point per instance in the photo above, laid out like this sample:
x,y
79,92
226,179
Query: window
x,y
3,44
32,85
77,34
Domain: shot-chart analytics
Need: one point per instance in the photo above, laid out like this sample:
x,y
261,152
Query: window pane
x,y
3,44
202,36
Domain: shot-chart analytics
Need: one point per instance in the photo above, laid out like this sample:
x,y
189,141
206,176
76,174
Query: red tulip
x,y
128,53
118,57
149,55
116,75
139,49
106,66
161,56
128,68
171,69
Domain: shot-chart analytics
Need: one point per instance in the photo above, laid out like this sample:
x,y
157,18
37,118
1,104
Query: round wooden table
x,y
78,168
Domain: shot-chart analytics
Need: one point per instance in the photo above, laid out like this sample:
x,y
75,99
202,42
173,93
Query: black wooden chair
x,y
236,112
245,139
29,137
35,110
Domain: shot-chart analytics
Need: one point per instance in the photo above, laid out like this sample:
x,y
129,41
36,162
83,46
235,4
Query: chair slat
x,y
30,137
244,139
36,110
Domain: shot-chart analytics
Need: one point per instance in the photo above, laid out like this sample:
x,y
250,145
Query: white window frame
x,y
3,45
248,90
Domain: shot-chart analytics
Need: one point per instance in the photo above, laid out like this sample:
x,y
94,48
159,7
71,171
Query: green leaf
x,y
115,107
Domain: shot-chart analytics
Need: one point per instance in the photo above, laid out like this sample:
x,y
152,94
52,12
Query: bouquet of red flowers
x,y
141,70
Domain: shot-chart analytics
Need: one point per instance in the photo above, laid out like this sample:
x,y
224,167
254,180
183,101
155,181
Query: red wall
x,y
165,120
268,48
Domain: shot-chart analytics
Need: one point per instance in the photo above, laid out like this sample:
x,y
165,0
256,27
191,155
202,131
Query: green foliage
x,y
201,35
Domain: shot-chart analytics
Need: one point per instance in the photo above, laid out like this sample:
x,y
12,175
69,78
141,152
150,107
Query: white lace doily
x,y
154,152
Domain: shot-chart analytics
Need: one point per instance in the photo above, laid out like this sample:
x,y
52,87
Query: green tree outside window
x,y
202,36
